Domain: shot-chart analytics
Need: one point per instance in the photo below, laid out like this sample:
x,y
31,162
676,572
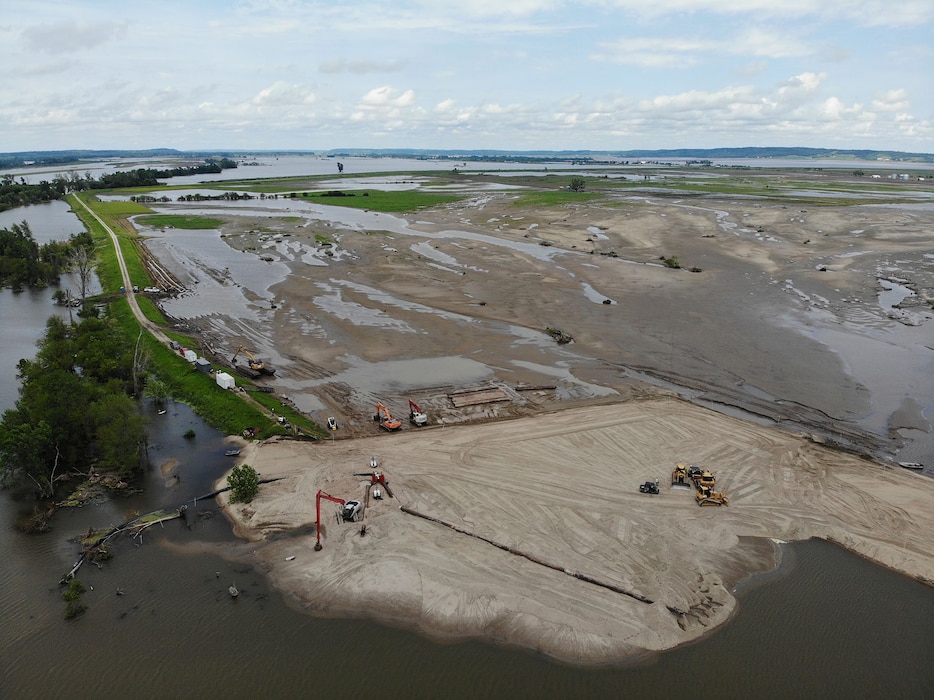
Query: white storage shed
x,y
224,380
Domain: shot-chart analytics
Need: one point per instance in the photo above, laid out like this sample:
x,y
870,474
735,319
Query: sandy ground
x,y
560,487
780,323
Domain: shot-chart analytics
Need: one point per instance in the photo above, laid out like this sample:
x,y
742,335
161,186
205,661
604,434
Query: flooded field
x,y
790,313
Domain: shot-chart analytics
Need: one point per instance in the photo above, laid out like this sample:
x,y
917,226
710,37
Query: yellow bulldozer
x,y
683,476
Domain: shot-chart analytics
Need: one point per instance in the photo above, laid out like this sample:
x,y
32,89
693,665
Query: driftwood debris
x,y
94,542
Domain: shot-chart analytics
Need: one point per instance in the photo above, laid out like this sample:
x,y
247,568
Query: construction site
x,y
532,532
555,366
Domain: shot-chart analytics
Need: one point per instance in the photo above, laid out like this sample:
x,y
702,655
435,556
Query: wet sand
x,y
358,307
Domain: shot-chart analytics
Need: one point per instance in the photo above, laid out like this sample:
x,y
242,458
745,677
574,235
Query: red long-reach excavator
x,y
417,415
349,511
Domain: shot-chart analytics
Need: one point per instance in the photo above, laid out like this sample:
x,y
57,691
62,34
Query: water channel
x,y
825,624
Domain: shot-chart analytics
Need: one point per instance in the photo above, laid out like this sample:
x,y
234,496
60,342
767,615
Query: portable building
x,y
224,380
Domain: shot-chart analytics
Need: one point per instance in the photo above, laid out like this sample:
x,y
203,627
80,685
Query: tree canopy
x,y
23,262
17,193
75,411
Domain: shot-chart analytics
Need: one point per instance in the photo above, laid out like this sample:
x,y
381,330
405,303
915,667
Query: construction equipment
x,y
709,497
649,487
679,478
350,510
386,421
321,494
703,481
416,415
702,478
377,478
254,364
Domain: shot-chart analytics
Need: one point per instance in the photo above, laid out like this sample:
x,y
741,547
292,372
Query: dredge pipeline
x,y
531,558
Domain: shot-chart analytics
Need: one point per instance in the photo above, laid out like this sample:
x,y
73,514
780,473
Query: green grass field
x,y
180,221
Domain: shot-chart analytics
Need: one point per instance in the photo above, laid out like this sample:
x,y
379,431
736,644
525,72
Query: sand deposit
x,y
774,315
561,488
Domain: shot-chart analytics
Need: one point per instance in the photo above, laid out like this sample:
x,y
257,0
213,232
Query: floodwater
x,y
891,358
826,624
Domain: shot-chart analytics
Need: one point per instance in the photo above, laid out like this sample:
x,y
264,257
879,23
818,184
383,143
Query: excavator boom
x,y
321,494
386,421
254,364
416,414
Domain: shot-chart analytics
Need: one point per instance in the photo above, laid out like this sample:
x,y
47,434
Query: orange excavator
x,y
386,421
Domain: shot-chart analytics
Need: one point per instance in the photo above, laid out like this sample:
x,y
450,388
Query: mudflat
x,y
771,313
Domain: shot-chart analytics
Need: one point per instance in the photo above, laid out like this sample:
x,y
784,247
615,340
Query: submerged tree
x,y
74,412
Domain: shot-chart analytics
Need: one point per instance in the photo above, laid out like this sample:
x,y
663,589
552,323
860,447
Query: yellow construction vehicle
x,y
253,363
703,481
679,477
709,497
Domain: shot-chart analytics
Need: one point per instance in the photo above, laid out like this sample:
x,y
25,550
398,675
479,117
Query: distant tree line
x,y
25,263
19,193
75,412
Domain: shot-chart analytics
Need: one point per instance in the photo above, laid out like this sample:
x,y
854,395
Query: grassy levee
x,y
303,424
225,410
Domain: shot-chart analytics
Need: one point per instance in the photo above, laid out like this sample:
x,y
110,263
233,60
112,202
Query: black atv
x,y
649,487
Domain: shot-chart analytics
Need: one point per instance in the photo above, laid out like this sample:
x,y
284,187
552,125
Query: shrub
x,y
244,483
72,596
671,262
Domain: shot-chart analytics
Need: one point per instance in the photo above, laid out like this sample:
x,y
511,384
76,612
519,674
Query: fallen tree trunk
x,y
93,542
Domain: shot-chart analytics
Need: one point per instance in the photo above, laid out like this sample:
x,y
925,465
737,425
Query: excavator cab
x,y
350,510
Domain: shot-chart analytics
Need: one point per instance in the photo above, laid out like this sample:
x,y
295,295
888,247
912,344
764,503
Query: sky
x,y
515,75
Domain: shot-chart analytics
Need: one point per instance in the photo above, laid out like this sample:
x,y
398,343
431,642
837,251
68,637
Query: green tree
x,y
156,389
25,451
577,184
73,408
119,433
244,483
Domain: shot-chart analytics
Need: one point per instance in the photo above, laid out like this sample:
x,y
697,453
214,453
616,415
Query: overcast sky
x,y
450,74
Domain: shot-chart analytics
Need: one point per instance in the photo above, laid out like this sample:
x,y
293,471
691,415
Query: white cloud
x,y
362,67
281,93
67,36
866,12
387,96
891,101
678,51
